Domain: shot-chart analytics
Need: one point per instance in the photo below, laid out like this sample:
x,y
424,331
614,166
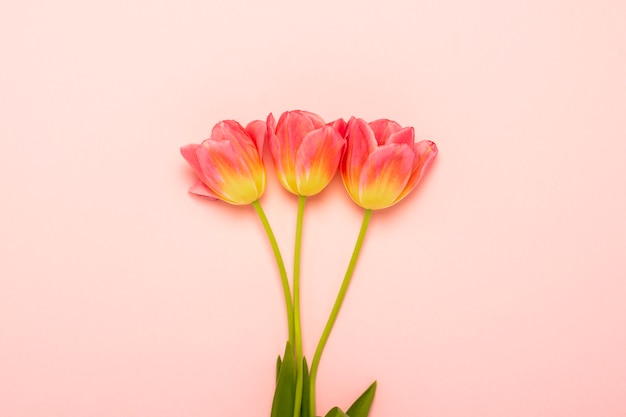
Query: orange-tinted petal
x,y
285,169
293,126
228,164
360,142
285,141
233,177
385,174
317,160
244,147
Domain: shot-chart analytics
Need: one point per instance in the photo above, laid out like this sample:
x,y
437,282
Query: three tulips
x,y
380,161
380,164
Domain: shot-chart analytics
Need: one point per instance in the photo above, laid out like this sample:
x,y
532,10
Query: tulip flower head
x,y
306,151
382,162
229,164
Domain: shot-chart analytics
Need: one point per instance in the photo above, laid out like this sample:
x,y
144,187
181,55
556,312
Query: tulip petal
x,y
383,129
270,135
316,119
231,131
340,125
360,142
405,135
384,175
293,126
425,153
286,139
280,156
200,188
189,153
317,160
257,130
234,177
229,164
244,146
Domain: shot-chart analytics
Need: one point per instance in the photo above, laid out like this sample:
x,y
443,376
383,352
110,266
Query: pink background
x,y
496,289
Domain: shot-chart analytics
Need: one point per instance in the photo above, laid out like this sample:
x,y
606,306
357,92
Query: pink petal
x,y
340,125
293,126
425,153
199,188
257,130
314,118
189,153
383,129
232,131
317,160
384,176
271,134
405,135
244,146
360,142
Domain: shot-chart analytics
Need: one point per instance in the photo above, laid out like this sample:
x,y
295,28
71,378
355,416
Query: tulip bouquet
x,y
380,163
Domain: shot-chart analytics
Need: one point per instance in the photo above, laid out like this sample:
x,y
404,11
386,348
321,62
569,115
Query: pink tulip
x,y
229,164
306,151
382,162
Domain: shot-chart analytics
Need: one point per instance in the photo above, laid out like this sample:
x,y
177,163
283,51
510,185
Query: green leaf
x,y
305,389
284,396
336,412
278,365
361,407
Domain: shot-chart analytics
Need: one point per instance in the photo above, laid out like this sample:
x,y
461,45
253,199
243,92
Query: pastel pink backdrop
x,y
496,289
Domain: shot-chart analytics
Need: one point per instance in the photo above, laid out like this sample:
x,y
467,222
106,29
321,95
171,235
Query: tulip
x,y
229,164
306,151
382,162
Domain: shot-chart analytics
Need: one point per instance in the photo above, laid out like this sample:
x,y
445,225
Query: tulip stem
x,y
281,267
296,307
335,311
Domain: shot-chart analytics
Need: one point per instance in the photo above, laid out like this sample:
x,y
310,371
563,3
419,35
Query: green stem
x,y
281,267
296,307
335,311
